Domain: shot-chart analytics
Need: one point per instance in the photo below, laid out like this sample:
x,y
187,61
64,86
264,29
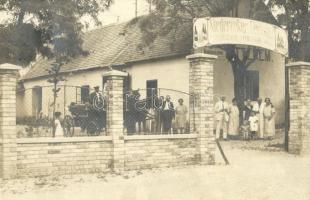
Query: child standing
x,y
245,130
58,128
253,119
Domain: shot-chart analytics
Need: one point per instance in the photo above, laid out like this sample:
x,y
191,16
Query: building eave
x,y
78,70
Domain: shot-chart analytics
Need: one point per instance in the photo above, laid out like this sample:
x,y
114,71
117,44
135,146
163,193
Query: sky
x,y
125,10
120,11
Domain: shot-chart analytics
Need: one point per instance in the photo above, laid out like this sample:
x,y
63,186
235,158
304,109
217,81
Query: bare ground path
x,y
259,170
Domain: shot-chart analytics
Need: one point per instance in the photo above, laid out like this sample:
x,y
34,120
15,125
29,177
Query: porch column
x,y
8,145
299,94
201,96
115,116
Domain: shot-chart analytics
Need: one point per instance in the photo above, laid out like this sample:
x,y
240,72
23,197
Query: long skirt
x,y
269,128
233,125
180,120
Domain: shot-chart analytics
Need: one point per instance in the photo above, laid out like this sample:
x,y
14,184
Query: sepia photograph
x,y
155,99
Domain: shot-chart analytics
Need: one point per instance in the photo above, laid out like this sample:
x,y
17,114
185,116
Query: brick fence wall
x,y
57,156
144,152
201,96
1,160
30,157
8,152
299,92
60,156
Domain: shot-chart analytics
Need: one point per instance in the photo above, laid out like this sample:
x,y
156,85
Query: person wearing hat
x,y
221,117
97,103
96,99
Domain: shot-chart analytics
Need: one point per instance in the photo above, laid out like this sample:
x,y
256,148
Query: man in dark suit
x,y
96,99
167,114
97,110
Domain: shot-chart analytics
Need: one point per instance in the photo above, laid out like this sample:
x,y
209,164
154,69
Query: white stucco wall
x,y
173,74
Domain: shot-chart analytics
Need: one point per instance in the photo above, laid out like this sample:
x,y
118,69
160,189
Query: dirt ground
x,y
259,170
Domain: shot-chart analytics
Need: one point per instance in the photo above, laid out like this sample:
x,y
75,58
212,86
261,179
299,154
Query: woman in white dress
x,y
58,128
233,124
269,122
180,116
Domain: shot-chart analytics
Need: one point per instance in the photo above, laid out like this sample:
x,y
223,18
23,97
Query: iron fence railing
x,y
157,111
79,113
77,116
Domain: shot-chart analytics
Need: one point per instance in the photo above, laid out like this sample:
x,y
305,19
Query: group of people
x,y
253,120
160,112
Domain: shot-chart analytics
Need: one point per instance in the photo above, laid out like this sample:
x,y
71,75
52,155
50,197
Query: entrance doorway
x,y
151,88
151,92
251,90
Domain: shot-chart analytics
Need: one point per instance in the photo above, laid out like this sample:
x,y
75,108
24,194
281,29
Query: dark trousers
x,y
131,122
167,120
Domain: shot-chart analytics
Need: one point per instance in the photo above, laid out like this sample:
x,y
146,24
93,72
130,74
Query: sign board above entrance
x,y
226,30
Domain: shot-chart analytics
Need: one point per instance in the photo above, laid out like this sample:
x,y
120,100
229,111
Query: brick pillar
x,y
115,116
299,94
202,115
8,145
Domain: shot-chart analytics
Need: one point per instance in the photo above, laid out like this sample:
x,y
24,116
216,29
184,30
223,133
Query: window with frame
x,y
84,93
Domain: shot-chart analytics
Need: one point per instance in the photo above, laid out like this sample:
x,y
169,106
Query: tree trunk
x,y
239,72
239,87
239,68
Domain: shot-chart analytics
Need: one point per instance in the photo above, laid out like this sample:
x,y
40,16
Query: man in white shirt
x,y
221,117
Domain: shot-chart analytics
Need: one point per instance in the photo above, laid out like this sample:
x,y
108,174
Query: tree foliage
x,y
52,28
296,18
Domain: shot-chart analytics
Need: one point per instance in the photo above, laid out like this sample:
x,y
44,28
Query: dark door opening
x,y
151,91
151,88
251,85
85,90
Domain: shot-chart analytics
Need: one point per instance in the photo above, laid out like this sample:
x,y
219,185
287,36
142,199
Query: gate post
x,y
8,145
115,116
299,94
201,96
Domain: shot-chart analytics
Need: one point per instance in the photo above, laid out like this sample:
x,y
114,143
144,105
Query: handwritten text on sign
x,y
226,30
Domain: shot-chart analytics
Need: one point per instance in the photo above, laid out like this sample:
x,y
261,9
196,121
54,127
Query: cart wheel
x,y
68,126
92,129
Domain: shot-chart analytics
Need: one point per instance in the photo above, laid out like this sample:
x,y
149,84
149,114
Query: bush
x,y
34,122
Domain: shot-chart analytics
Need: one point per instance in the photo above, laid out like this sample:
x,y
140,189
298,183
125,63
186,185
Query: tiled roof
x,y
111,45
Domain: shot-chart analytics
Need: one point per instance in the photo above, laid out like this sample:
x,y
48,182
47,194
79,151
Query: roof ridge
x,y
105,26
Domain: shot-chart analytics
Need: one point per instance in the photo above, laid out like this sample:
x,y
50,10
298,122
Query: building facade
x,y
157,66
